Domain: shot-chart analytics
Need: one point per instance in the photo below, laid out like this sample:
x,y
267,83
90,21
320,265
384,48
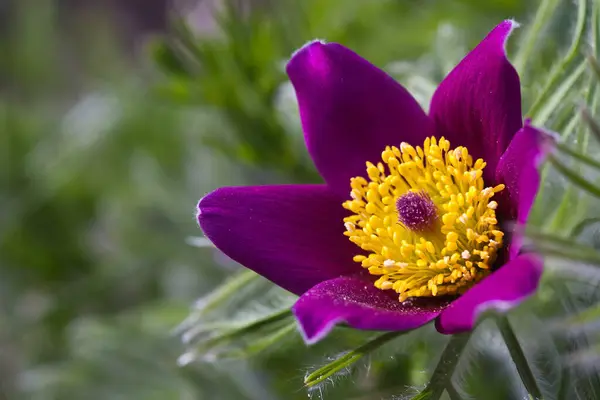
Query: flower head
x,y
425,220
410,225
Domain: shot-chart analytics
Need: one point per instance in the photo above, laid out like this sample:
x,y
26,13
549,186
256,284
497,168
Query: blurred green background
x,y
116,117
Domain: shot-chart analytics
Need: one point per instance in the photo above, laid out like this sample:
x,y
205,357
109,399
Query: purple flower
x,y
413,236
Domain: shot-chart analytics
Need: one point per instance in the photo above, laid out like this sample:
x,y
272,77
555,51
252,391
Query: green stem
x,y
518,356
349,358
565,385
452,392
442,374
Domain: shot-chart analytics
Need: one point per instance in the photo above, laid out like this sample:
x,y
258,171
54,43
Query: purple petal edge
x,y
518,169
501,291
357,302
290,234
478,105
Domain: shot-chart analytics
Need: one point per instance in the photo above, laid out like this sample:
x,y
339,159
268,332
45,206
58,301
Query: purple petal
x,y
290,234
350,111
518,169
361,305
478,105
501,291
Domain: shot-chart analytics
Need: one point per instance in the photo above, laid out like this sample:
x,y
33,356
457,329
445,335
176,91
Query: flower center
x,y
425,220
416,211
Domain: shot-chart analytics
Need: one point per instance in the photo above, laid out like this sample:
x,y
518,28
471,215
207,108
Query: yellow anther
x,y
471,235
460,245
386,285
449,219
430,247
407,250
452,237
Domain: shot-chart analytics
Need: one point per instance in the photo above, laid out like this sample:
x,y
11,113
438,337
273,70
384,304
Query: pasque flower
x,y
415,219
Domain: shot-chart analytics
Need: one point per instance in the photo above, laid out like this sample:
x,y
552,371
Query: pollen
x,y
425,220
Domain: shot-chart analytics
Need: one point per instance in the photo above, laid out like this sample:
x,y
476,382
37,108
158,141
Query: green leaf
x,y
549,239
223,293
578,156
167,58
549,104
425,394
574,177
552,101
591,314
242,340
533,33
563,215
583,225
594,65
348,359
563,248
590,121
565,385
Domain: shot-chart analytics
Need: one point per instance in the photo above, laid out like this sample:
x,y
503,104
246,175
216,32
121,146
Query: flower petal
x,y
350,111
502,290
478,105
290,234
518,169
357,302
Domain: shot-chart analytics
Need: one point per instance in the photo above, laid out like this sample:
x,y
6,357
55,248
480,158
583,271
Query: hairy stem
x,y
442,375
518,356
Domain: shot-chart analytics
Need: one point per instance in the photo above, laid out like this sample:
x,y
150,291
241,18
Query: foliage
x,y
104,156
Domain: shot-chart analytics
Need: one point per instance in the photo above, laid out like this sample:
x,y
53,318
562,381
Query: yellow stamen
x,y
448,253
